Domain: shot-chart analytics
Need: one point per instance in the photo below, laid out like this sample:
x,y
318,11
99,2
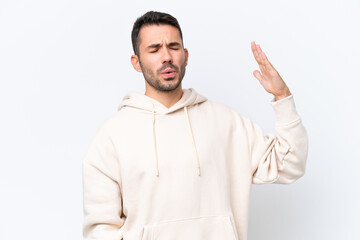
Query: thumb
x,y
257,74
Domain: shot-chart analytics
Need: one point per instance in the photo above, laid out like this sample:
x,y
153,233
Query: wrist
x,y
284,95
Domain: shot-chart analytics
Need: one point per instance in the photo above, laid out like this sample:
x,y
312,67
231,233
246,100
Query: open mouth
x,y
168,73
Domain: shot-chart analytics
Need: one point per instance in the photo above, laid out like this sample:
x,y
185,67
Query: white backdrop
x,y
65,67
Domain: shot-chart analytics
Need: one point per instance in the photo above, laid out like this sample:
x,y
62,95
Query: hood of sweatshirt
x,y
140,101
144,103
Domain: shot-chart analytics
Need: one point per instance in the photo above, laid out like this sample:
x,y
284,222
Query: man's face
x,y
162,58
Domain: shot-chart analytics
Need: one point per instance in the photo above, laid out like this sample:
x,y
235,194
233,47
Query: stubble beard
x,y
152,79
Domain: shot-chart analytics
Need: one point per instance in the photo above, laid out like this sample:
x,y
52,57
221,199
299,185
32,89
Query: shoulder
x,y
223,108
225,112
217,106
110,124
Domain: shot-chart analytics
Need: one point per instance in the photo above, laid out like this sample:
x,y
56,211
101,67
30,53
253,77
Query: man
x,y
173,165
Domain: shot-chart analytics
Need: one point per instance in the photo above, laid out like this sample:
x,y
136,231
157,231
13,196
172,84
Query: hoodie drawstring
x,y
192,140
155,148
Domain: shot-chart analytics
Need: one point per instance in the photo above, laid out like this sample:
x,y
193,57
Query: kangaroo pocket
x,y
198,228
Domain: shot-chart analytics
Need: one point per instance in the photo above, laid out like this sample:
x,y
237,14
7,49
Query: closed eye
x,y
155,47
173,48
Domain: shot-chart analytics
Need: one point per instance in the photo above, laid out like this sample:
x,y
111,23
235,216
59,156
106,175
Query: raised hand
x,y
269,78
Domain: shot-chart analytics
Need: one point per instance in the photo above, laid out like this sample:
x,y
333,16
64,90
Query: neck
x,y
167,99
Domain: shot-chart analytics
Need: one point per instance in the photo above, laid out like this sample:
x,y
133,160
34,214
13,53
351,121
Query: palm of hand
x,y
269,78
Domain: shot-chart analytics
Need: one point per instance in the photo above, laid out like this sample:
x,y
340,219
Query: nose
x,y
166,55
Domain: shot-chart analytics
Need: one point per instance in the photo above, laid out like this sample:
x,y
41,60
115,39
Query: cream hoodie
x,y
184,172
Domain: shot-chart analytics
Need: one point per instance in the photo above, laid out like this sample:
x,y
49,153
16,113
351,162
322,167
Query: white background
x,y
65,67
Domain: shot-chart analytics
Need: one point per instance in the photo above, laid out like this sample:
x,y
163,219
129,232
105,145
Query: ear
x,y
135,63
186,56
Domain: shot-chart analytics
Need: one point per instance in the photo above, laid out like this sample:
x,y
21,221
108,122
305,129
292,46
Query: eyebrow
x,y
156,45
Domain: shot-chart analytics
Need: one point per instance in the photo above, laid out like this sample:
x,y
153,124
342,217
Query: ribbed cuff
x,y
285,110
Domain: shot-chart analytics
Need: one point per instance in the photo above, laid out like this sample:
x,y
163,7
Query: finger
x,y
265,60
260,52
252,45
257,74
263,56
253,49
256,53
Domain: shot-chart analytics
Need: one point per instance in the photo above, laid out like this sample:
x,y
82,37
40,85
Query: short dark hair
x,y
152,18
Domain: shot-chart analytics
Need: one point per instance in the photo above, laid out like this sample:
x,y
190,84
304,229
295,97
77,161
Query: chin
x,y
169,79
171,86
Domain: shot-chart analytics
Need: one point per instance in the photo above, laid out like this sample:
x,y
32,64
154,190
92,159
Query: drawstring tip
x,y
198,170
157,172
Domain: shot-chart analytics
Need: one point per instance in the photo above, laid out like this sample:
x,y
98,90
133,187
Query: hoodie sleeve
x,y
101,190
279,158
